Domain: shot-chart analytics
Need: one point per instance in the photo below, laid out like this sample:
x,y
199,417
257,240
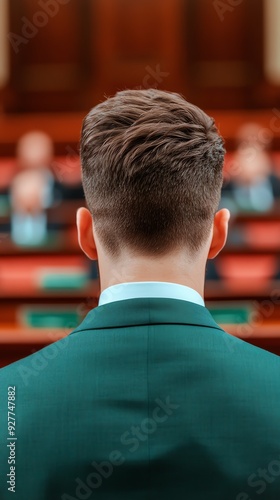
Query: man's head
x,y
152,173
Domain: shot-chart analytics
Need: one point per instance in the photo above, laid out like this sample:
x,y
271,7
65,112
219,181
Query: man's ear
x,y
85,233
220,230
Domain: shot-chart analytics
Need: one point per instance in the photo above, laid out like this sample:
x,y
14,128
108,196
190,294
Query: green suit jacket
x,y
146,399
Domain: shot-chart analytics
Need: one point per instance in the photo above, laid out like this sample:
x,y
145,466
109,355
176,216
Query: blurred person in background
x,y
252,184
37,186
32,189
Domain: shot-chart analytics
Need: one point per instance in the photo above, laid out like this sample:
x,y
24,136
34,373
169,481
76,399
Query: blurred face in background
x,y
251,155
35,150
34,155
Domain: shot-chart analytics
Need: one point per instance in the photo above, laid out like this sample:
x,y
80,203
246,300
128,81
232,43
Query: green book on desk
x,y
231,314
49,317
64,281
4,205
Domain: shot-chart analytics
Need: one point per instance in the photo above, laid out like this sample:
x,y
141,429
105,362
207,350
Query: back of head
x,y
152,172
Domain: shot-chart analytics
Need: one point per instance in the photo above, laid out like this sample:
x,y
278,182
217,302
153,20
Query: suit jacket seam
x,y
145,324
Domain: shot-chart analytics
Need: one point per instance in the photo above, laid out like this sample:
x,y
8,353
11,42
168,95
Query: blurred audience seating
x,y
54,280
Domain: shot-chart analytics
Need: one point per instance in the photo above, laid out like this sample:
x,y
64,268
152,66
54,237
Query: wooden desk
x,y
265,336
64,242
60,214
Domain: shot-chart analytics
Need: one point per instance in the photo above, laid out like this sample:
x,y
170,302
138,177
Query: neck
x,y
174,268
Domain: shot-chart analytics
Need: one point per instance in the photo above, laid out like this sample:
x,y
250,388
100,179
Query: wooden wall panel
x,y
214,55
50,54
226,52
138,44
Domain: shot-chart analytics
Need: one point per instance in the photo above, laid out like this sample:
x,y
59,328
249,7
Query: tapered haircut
x,y
152,172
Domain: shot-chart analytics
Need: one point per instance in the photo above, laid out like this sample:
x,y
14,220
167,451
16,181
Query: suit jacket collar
x,y
146,311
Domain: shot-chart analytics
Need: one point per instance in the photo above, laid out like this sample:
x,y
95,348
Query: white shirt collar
x,y
142,289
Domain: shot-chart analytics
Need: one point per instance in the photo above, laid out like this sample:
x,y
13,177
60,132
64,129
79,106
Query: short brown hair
x,y
152,171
